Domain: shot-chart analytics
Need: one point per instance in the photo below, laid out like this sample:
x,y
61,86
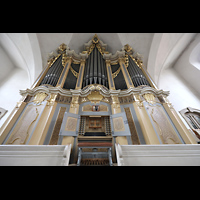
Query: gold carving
x,y
138,100
63,99
95,39
115,105
74,72
51,100
126,99
114,75
126,60
164,128
128,48
39,98
118,124
75,99
71,124
64,60
52,58
25,125
74,105
95,96
149,97
96,42
87,108
84,99
62,47
103,108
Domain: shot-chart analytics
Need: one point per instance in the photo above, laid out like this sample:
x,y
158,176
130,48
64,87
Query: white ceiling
x,y
141,42
29,51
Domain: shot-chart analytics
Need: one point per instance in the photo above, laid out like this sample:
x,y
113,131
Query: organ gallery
x,y
92,101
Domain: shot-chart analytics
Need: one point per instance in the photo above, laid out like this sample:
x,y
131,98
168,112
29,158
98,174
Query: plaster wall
x,y
165,50
6,65
9,90
182,95
185,65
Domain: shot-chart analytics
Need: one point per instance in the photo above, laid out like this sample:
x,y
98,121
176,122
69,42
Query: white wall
x,y
165,49
9,90
20,65
181,94
24,51
184,65
6,65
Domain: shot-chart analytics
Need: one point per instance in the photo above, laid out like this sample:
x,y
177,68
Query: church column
x,y
110,78
180,126
126,75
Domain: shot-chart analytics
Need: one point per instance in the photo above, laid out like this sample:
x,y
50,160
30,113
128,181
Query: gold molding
x,y
39,98
149,97
115,74
73,71
95,96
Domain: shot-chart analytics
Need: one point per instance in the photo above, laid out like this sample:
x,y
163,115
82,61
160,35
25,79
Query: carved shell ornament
x,y
149,97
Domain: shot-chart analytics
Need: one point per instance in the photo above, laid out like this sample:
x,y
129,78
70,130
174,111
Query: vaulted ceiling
x,y
115,41
29,51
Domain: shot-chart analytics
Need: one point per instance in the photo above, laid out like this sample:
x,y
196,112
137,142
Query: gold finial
x,y
128,48
62,48
95,39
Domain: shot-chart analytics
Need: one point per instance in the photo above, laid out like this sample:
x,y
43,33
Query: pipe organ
x,y
95,70
93,100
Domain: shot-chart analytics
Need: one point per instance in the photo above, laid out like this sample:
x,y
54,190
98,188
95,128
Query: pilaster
x,y
184,132
41,77
110,78
115,105
81,72
126,75
74,107
68,61
144,121
147,75
42,126
10,121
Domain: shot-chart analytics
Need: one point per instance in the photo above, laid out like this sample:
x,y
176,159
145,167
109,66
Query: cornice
x,y
87,90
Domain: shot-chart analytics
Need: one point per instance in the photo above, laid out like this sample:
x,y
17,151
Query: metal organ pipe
x,y
131,72
137,75
92,67
134,77
88,70
99,67
95,65
53,73
54,78
95,70
103,71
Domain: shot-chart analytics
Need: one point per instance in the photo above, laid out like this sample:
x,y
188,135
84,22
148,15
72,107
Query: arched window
x,y
195,57
192,117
